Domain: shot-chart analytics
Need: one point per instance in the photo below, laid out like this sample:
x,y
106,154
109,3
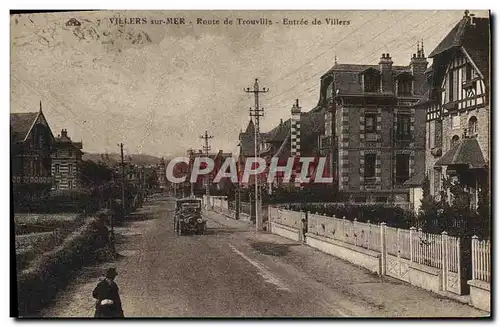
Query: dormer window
x,y
371,80
472,127
404,84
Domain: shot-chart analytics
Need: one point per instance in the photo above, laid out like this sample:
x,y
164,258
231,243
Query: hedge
x,y
38,284
392,216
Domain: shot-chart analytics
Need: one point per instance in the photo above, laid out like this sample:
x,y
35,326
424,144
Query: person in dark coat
x,y
108,304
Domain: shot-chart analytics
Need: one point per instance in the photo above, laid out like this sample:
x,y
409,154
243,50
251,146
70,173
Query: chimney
x,y
472,20
295,135
385,66
64,133
295,129
418,66
385,62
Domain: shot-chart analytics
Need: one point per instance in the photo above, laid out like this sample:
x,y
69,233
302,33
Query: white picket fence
x,y
481,260
438,251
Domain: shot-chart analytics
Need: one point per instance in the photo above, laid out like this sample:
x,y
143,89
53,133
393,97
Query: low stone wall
x,y
361,257
480,294
428,278
286,231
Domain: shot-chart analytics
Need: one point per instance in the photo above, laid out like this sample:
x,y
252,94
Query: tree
x,y
93,174
152,180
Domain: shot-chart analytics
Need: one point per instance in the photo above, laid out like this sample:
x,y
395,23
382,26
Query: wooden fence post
x,y
308,213
474,256
412,231
444,263
343,229
383,250
420,249
398,242
354,231
269,217
368,234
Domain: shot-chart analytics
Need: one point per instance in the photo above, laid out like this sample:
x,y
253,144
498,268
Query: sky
x,y
158,88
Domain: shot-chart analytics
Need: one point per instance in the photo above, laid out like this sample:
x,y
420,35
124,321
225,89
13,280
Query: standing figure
x,y
108,304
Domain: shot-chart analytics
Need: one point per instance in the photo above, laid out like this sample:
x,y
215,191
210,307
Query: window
x,y
454,140
371,81
432,134
403,127
57,169
455,122
472,127
450,86
370,123
468,72
56,185
404,86
70,168
70,185
370,165
437,182
438,133
402,168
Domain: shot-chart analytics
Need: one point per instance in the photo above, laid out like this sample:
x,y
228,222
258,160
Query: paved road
x,y
234,271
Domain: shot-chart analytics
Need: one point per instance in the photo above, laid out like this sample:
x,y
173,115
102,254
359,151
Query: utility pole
x,y
257,112
191,160
207,148
123,180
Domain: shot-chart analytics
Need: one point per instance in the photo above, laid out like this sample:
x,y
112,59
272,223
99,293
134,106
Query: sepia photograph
x,y
250,164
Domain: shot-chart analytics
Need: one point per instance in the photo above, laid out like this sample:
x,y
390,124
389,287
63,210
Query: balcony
x,y
32,180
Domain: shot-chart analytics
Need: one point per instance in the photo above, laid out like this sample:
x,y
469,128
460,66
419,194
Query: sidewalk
x,y
390,297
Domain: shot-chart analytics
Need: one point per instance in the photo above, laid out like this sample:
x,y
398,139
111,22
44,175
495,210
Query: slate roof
x,y
467,152
20,124
416,180
64,139
347,76
279,133
359,68
311,125
475,39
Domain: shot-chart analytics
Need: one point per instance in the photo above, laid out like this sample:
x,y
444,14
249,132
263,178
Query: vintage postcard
x,y
251,164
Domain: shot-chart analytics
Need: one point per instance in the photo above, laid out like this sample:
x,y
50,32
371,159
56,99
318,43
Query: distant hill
x,y
114,158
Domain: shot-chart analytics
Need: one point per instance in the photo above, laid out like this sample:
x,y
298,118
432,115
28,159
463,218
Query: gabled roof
x,y
311,125
474,39
279,133
21,123
466,152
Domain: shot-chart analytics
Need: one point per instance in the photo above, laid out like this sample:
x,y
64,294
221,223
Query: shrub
x,y
38,284
392,216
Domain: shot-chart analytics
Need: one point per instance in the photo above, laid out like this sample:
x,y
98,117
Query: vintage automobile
x,y
187,218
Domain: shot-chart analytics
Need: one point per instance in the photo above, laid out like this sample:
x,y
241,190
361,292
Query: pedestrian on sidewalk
x,y
108,304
